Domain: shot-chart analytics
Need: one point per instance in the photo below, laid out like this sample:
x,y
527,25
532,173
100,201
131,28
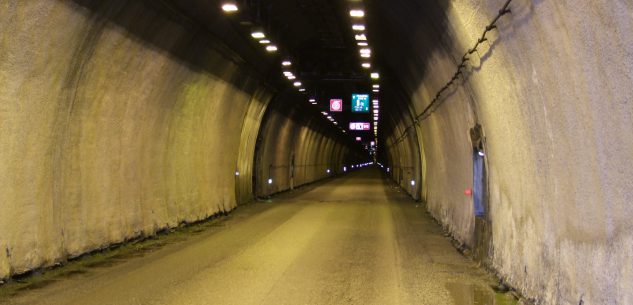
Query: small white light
x,y
388,169
481,153
376,90
328,171
360,37
237,173
271,48
365,51
270,180
375,75
365,55
376,111
358,27
258,35
264,41
357,13
302,90
312,100
366,65
297,84
287,73
229,7
345,168
286,63
292,77
412,182
376,86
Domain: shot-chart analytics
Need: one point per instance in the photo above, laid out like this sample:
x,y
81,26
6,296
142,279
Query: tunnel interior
x,y
120,119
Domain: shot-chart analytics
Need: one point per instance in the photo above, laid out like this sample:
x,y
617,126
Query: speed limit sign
x,y
336,105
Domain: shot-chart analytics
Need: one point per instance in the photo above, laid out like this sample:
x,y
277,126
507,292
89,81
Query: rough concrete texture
x,y
354,240
551,89
108,134
298,148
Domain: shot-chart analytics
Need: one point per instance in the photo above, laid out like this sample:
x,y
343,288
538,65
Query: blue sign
x,y
360,102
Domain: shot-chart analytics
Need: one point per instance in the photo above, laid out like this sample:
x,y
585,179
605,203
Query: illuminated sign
x,y
360,102
336,105
359,126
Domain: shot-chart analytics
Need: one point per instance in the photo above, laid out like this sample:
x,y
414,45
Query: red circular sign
x,y
336,105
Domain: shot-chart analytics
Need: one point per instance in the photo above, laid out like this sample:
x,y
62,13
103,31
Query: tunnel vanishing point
x,y
511,122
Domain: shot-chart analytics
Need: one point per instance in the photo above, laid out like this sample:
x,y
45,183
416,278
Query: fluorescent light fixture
x,y
357,13
365,55
376,111
264,41
366,65
297,84
360,37
258,35
287,73
229,7
335,123
286,63
329,117
358,27
365,51
376,90
271,48
375,75
292,77
302,90
362,44
376,86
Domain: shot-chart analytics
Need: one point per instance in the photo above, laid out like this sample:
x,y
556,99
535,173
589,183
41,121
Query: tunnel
x,y
400,143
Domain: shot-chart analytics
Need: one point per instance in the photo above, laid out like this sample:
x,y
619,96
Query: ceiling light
x,y
312,100
286,63
297,84
229,7
358,27
264,41
362,44
376,111
365,55
375,75
302,90
258,35
291,77
357,13
287,73
365,51
366,65
376,90
376,86
361,37
271,48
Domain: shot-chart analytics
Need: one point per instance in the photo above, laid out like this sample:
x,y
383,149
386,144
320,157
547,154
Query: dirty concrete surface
x,y
351,240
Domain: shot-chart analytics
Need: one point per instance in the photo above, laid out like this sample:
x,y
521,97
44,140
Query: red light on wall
x,y
468,192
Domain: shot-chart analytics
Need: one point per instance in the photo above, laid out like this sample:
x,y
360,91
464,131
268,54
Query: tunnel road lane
x,y
351,240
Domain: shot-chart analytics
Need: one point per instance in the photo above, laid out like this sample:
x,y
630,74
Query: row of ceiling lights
x,y
365,52
360,35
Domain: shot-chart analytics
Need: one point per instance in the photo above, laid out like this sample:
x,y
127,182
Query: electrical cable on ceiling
x,y
436,102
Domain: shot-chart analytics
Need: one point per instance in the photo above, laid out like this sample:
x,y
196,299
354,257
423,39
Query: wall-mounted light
x,y
230,7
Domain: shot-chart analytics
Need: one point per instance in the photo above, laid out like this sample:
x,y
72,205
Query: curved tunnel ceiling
x,y
318,38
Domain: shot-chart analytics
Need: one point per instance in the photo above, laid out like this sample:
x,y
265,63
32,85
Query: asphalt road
x,y
351,240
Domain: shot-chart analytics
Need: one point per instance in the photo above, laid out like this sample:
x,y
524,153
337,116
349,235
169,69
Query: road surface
x,y
350,240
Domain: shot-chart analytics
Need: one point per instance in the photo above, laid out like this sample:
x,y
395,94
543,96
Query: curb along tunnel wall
x,y
120,118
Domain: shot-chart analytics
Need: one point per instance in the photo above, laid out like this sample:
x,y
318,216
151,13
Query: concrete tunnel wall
x,y
290,131
118,120
551,89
